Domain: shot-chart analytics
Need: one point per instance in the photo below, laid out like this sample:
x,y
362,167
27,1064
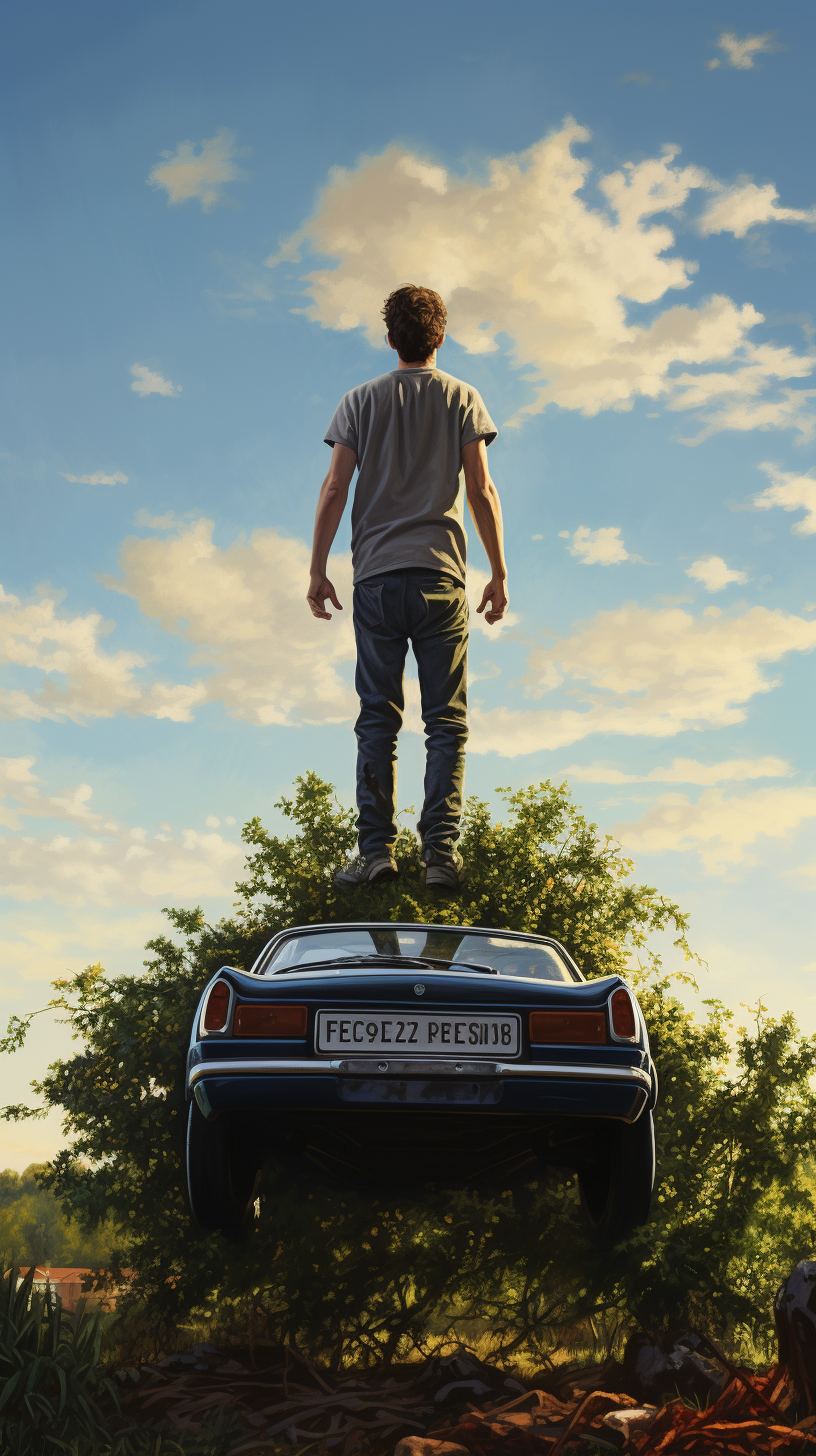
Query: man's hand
x,y
496,593
330,507
321,589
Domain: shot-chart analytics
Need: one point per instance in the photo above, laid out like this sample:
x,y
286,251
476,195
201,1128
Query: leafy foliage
x,y
371,1277
544,870
35,1230
50,1386
55,1396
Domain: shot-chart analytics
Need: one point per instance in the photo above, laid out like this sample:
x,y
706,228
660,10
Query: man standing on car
x,y
410,433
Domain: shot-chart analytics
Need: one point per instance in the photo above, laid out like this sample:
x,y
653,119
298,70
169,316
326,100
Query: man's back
x,y
407,429
409,433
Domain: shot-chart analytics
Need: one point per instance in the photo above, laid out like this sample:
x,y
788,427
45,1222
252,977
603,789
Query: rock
x,y
630,1422
423,1446
795,1319
649,1372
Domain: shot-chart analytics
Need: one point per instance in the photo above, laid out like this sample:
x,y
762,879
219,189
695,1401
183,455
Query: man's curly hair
x,y
415,319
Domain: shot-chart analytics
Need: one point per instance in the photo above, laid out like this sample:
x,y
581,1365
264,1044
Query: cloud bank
x,y
240,609
717,828
79,679
243,611
529,252
684,771
645,671
107,863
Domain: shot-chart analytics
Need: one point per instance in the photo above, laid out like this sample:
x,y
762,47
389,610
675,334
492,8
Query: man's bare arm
x,y
330,507
485,508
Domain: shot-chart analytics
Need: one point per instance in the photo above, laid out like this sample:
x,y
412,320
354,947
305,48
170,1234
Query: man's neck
x,y
429,363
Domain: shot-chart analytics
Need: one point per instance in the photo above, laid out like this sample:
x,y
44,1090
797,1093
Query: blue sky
x,y
205,205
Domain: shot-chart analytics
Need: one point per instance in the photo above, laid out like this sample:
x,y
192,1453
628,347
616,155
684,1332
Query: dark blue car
x,y
392,1054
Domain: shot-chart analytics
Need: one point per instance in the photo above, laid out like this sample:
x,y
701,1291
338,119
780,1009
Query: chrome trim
x,y
547,1071
258,967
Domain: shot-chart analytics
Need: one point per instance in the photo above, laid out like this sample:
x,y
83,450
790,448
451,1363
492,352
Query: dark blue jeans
x,y
429,610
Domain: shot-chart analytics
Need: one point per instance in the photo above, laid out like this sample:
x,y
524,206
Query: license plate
x,y
418,1032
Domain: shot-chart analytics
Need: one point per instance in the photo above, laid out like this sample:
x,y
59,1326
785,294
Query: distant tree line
x,y
34,1228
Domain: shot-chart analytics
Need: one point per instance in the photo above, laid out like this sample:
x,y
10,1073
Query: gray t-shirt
x,y
407,429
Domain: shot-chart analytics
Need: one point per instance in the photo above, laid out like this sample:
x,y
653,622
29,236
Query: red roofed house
x,y
71,1285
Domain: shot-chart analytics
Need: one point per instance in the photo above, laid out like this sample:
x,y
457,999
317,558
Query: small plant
x,y
51,1389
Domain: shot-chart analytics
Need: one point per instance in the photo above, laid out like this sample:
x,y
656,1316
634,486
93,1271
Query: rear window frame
x,y
263,963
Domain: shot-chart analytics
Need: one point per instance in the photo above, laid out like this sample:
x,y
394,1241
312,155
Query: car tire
x,y
222,1175
616,1189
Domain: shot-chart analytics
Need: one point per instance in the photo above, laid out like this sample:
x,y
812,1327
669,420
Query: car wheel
x,y
222,1173
616,1189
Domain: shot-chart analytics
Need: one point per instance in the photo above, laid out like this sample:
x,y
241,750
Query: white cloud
x,y
18,783
520,252
684,771
713,574
603,547
48,945
106,863
792,492
242,609
790,410
718,829
98,478
645,671
148,381
80,679
741,53
186,173
737,209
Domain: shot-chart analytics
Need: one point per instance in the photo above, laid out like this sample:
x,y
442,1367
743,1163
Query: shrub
x,y
370,1277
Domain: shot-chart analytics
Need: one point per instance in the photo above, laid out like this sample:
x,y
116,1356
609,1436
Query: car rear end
x,y
435,1074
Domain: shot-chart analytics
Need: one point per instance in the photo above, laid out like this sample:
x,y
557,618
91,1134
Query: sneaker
x,y
367,869
443,869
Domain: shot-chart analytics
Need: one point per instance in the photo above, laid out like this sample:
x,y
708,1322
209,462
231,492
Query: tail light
x,y
622,1012
217,1008
270,1021
588,1027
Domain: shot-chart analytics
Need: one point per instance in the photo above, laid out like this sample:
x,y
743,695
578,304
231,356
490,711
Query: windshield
x,y
504,953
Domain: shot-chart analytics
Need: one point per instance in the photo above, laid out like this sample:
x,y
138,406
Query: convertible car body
x,y
411,1054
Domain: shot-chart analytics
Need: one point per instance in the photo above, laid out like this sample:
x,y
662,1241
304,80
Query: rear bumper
x,y
539,1089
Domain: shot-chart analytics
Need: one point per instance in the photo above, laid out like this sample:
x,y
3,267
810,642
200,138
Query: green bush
x,y
366,1277
55,1395
51,1390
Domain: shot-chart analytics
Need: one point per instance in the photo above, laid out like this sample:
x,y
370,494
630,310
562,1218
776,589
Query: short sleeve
x,y
477,424
343,428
